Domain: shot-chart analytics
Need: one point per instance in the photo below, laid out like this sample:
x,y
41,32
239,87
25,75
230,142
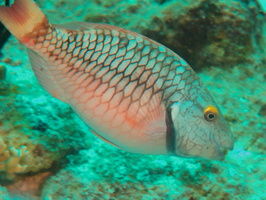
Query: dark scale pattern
x,y
101,58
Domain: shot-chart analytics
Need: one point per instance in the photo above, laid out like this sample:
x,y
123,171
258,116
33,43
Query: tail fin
x,y
21,17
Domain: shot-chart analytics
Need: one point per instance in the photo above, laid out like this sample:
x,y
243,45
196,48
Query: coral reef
x,y
11,159
211,33
227,37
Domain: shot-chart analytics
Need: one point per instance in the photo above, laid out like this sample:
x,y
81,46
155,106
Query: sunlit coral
x,y
11,159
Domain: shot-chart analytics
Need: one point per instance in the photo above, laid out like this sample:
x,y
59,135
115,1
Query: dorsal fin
x,y
83,26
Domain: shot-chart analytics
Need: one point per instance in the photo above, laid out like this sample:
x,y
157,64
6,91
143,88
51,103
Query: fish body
x,y
130,90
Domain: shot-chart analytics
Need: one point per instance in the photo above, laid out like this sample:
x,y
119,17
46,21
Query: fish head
x,y
199,127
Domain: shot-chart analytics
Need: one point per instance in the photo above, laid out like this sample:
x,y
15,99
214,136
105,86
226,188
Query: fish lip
x,y
221,150
221,146
230,145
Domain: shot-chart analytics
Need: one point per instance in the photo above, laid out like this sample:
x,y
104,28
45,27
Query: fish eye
x,y
210,113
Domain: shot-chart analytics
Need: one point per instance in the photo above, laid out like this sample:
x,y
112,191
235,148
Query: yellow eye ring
x,y
210,113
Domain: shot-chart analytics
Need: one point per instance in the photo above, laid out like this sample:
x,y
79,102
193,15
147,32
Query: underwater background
x,y
48,153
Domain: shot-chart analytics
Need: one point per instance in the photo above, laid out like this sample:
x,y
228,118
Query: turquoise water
x,y
224,41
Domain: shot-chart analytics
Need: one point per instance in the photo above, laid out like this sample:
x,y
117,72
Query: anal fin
x,y
104,139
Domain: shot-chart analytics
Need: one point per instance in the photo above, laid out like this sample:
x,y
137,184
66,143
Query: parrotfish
x,y
132,91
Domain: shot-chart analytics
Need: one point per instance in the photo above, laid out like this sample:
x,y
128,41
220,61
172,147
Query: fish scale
x,y
131,68
113,65
130,90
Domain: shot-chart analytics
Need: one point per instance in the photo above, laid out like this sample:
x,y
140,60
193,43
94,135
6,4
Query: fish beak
x,y
229,142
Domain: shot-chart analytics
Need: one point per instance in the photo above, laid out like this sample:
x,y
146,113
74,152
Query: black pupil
x,y
211,116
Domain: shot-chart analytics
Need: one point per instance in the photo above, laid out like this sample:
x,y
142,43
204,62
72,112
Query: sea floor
x,y
93,169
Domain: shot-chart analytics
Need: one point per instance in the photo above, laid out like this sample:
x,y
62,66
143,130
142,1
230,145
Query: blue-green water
x,y
223,40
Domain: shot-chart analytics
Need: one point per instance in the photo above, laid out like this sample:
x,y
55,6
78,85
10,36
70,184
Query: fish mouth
x,y
223,149
225,139
224,144
220,153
